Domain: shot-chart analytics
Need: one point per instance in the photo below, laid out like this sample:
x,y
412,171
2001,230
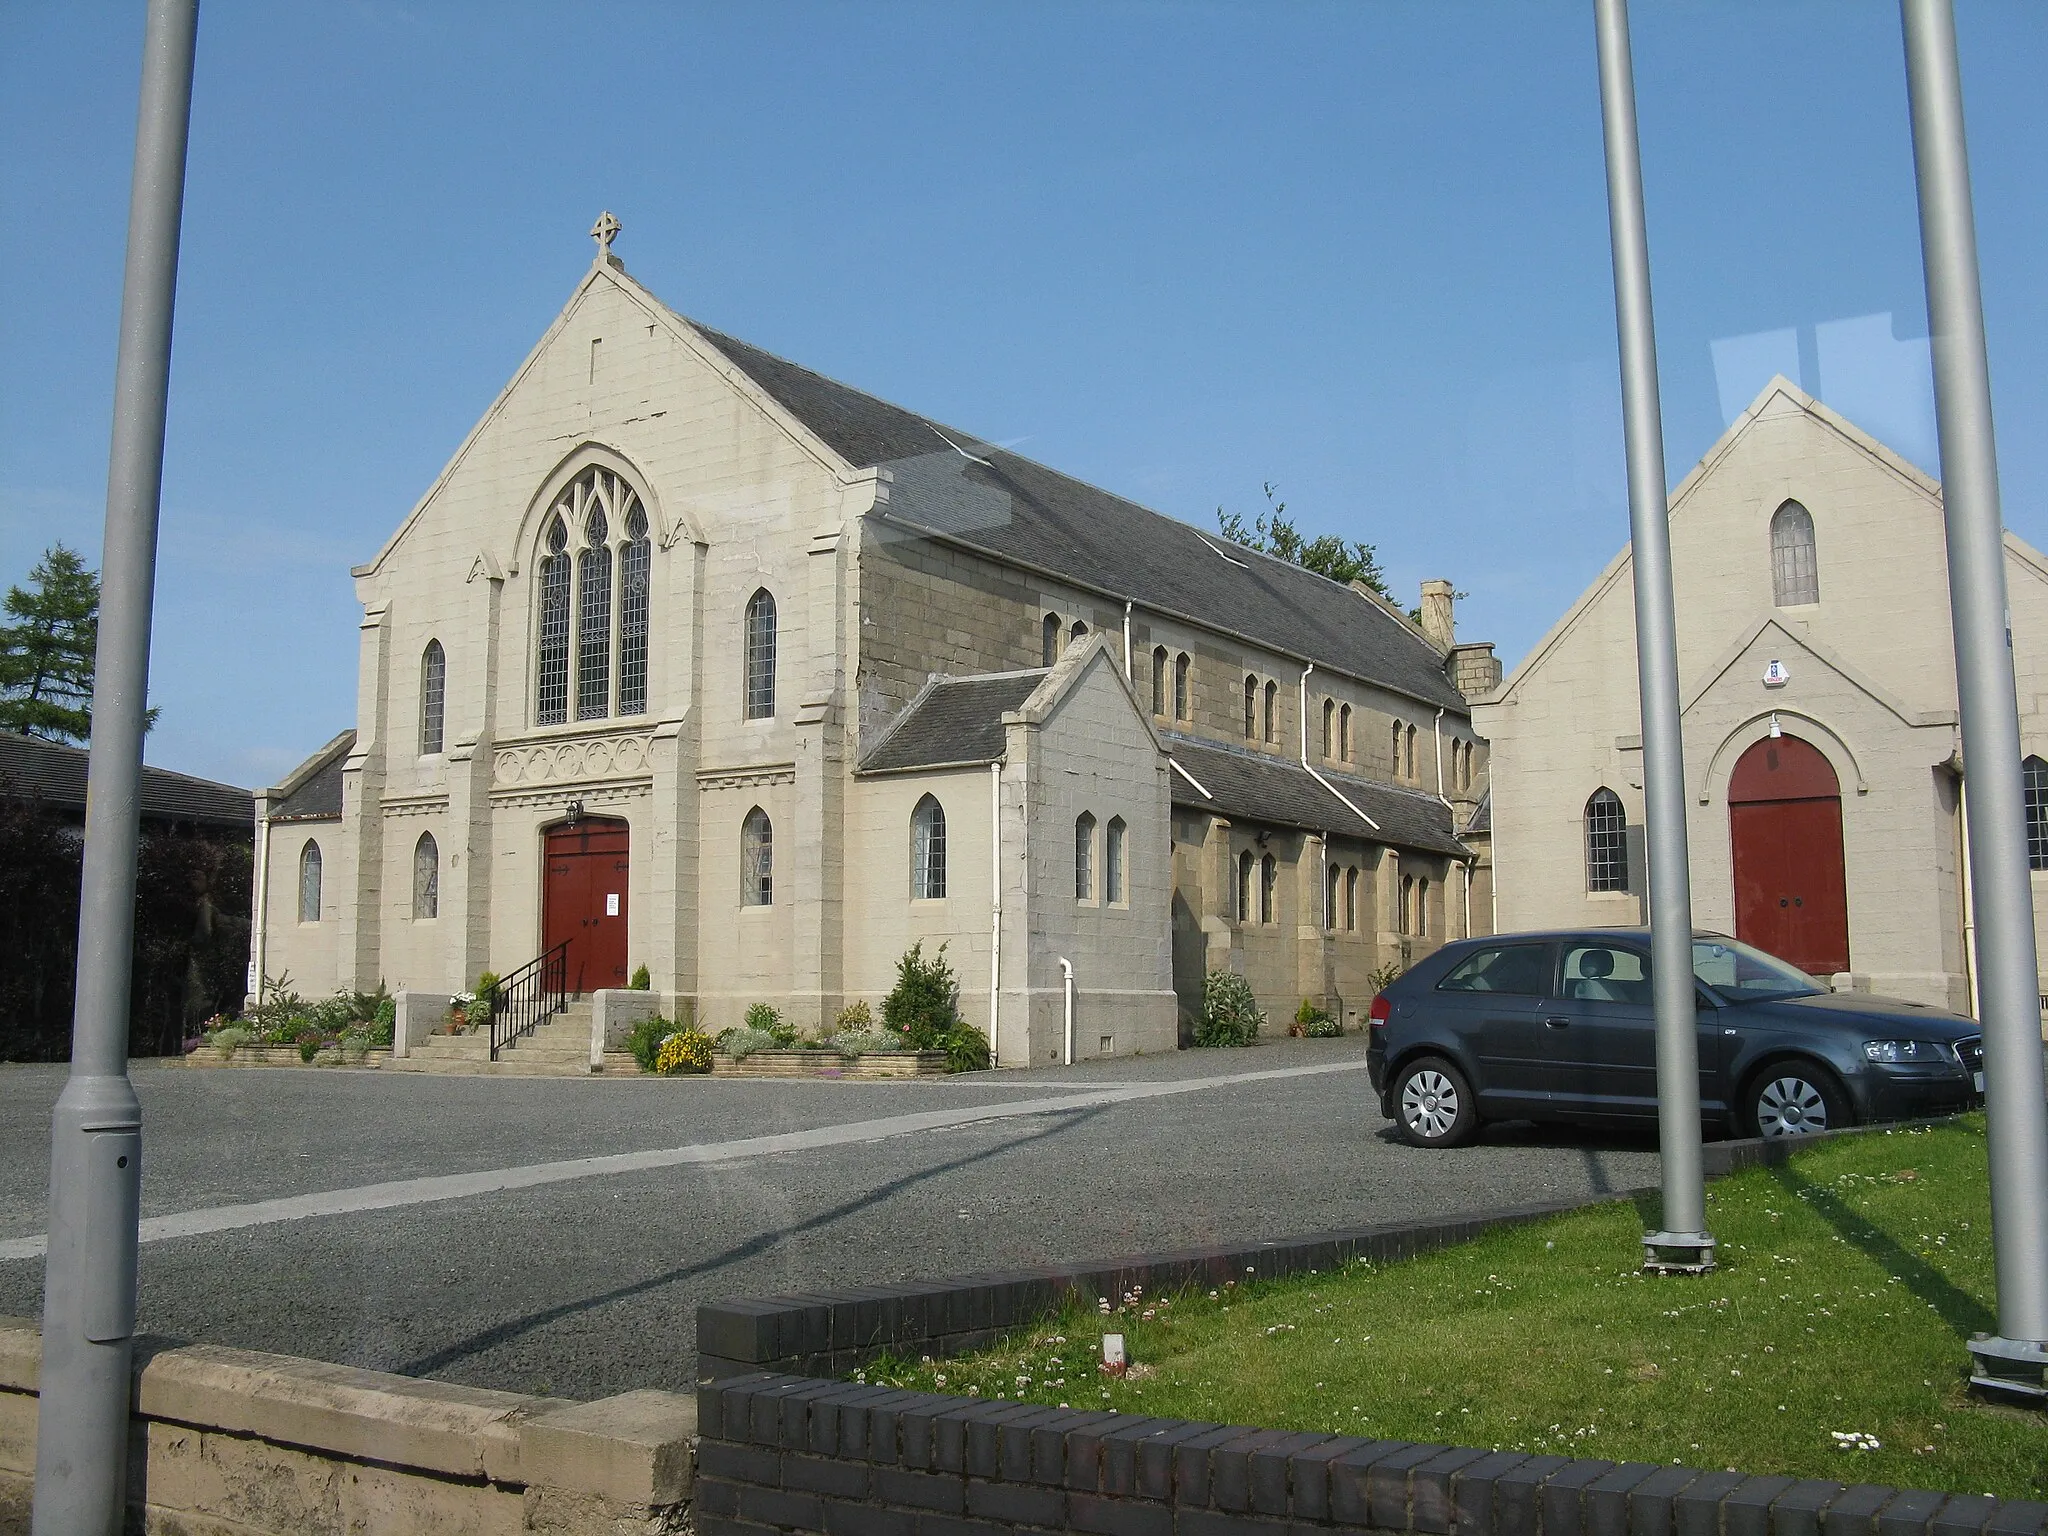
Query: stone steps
x,y
558,1048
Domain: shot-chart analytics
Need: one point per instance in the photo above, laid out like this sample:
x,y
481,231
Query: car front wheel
x,y
1433,1104
1794,1099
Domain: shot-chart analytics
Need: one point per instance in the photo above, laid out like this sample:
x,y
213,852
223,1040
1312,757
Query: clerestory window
x,y
760,642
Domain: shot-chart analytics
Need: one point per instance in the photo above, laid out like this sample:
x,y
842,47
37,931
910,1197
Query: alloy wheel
x,y
1790,1106
1429,1103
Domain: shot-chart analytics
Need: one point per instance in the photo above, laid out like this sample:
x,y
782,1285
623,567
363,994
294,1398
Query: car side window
x,y
1520,969
1604,973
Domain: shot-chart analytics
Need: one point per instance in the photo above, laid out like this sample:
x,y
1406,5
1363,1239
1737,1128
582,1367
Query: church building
x,y
693,659
1823,757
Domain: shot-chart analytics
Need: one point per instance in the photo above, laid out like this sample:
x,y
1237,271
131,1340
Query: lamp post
x,y
2011,1362
96,1131
1683,1245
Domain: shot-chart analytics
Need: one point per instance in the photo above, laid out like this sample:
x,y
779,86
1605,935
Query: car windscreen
x,y
1742,972
1522,969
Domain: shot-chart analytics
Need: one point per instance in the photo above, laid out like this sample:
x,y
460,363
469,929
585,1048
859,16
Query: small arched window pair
x,y
1336,731
1340,898
1112,859
1169,684
1265,875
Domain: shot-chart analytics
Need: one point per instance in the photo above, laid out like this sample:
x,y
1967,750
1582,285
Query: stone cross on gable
x,y
604,231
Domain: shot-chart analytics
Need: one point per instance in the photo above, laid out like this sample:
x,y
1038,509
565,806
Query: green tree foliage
x,y
46,649
1230,1014
923,1010
1271,533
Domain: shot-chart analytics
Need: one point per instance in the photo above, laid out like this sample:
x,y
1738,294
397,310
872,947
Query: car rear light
x,y
1382,1010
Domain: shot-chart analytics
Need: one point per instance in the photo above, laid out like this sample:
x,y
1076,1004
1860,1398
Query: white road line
x,y
458,1186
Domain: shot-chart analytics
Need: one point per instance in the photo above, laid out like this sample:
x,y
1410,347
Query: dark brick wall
x,y
790,1453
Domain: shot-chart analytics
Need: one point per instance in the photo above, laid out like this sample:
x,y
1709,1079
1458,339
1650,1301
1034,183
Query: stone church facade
x,y
697,660
1823,757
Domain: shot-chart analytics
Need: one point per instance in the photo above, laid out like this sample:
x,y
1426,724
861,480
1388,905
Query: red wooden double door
x,y
583,899
1785,820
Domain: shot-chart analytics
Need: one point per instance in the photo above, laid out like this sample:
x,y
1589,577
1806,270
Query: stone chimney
x,y
1439,622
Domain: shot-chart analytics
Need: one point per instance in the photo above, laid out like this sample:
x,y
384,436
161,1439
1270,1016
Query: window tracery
x,y
594,603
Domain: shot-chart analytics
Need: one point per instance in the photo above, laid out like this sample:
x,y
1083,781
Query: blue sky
x,y
1359,250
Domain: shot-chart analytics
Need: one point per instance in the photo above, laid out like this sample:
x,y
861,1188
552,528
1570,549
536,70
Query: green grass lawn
x,y
1850,1279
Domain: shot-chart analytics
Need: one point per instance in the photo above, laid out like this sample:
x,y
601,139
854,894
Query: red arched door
x,y
583,900
1785,820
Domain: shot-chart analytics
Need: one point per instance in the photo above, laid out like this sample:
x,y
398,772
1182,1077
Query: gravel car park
x,y
1559,1027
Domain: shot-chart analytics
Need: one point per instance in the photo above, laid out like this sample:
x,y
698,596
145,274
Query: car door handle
x,y
1557,1023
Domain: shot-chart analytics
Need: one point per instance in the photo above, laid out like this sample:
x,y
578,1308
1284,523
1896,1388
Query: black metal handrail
x,y
530,994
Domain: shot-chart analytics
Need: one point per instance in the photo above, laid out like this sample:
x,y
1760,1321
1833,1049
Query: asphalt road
x,y
391,1236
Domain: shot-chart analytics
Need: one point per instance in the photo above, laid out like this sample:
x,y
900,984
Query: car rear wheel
x,y
1791,1098
1433,1104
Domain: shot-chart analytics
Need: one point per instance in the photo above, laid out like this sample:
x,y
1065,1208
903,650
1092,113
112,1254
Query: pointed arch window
x,y
1159,680
1272,712
1394,768
1351,900
552,704
1407,903
1078,633
1422,907
1333,878
1049,640
928,850
1180,686
1269,888
1246,869
1411,751
426,877
594,619
1329,728
2034,784
1084,857
1251,708
636,557
1795,566
1606,842
592,627
1344,733
309,882
1113,862
761,656
757,860
433,696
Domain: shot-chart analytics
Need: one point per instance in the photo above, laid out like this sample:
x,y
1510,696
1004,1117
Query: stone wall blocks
x,y
629,1449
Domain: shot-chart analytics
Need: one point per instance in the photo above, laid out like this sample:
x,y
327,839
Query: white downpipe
x,y
1174,764
1067,986
1470,866
1436,727
995,936
1127,641
1333,789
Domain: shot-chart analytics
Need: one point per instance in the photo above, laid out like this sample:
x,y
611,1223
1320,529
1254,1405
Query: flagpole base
x,y
2013,1369
1677,1253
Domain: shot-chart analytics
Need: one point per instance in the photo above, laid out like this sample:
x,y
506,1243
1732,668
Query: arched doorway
x,y
1785,822
583,899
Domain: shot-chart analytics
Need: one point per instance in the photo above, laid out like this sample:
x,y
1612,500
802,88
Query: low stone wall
x,y
230,1442
792,1454
878,1064
282,1056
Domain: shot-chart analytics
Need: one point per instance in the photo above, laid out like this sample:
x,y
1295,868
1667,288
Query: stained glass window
x,y
433,694
551,706
757,860
594,621
634,558
309,882
426,877
761,656
928,850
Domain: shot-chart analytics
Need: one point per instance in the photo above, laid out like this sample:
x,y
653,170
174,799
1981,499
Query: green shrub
x,y
646,1037
865,1042
685,1051
309,1042
739,1044
924,1005
1230,1014
1383,977
764,1018
227,1040
966,1048
383,1025
641,982
355,1044
1314,1022
854,1019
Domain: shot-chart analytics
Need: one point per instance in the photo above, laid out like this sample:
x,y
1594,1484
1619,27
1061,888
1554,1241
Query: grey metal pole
x,y
2012,1362
1683,1244
96,1134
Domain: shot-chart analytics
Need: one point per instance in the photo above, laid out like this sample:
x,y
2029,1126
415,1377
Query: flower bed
x,y
870,1065
285,1056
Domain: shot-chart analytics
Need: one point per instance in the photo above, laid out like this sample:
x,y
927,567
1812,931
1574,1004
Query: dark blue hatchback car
x,y
1559,1027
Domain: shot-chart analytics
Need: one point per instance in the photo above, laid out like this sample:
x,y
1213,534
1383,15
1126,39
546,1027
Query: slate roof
x,y
1012,507
954,720
1280,792
312,791
56,772
1482,815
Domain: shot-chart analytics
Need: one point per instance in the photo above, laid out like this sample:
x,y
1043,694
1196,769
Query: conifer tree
x,y
46,649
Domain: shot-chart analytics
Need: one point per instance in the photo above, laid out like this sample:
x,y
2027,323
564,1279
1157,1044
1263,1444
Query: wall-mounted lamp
x,y
1776,729
575,811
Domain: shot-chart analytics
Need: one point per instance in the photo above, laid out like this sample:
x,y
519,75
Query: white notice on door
x,y
611,905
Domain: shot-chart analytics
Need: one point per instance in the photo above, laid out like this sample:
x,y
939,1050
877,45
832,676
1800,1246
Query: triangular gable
x,y
1777,396
1066,675
609,270
1821,654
